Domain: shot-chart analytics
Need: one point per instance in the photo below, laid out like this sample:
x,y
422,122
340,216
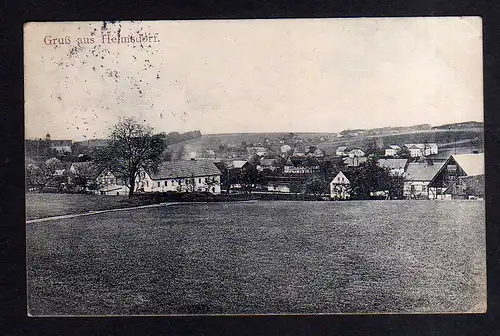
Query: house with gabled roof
x,y
417,179
455,168
356,152
61,146
396,167
392,150
98,180
270,164
340,186
182,176
341,151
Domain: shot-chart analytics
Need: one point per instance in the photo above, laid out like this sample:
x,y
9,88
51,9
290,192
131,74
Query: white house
x,y
61,146
341,151
285,149
356,152
99,180
392,150
339,187
318,153
291,169
182,176
396,166
422,149
267,164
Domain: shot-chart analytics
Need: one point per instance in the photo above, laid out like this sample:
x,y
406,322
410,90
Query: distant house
x,y
392,150
259,150
339,186
239,164
98,180
356,152
396,167
285,149
191,175
341,151
422,149
296,166
299,152
279,188
454,171
415,151
61,146
417,178
318,153
267,164
93,143
354,161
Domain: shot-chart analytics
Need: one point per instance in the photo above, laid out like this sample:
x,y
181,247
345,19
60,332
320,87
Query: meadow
x,y
261,257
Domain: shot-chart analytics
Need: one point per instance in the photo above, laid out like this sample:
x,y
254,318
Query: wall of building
x,y
181,184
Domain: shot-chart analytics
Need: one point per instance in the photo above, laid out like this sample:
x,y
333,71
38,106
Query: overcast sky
x,y
322,75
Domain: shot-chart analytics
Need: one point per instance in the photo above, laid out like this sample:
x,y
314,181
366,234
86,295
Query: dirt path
x,y
94,212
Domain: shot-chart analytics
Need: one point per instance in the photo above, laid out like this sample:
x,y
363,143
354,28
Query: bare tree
x,y
132,147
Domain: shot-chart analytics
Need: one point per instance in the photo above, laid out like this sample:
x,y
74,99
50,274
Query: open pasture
x,y
262,257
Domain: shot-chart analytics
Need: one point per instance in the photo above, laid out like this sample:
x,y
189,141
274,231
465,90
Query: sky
x,y
229,76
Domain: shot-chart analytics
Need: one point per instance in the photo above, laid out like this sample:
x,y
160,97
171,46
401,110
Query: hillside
x,y
445,138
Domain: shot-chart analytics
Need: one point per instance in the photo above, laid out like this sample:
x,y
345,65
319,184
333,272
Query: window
x,y
158,184
165,183
147,184
199,180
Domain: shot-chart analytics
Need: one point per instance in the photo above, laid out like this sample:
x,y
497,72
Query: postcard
x,y
250,167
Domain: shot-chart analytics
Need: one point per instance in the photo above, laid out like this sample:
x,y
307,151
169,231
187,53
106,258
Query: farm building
x,y
396,167
466,187
354,161
455,168
267,164
61,146
97,180
422,149
392,150
356,152
417,178
183,176
339,186
341,151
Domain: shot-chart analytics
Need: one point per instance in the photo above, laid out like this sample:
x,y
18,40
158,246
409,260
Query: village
x,y
286,168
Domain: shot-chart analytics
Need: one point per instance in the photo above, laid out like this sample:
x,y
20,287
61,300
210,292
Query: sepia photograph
x,y
255,167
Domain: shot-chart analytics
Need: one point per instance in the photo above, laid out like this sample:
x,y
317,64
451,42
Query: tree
x,y
132,147
37,176
85,176
316,185
369,177
403,153
211,182
191,184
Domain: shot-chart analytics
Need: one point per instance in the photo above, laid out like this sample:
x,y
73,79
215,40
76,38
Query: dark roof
x,y
393,163
93,143
61,142
422,171
475,183
267,162
182,169
90,168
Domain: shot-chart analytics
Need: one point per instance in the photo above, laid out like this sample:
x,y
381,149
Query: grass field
x,y
262,257
40,205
